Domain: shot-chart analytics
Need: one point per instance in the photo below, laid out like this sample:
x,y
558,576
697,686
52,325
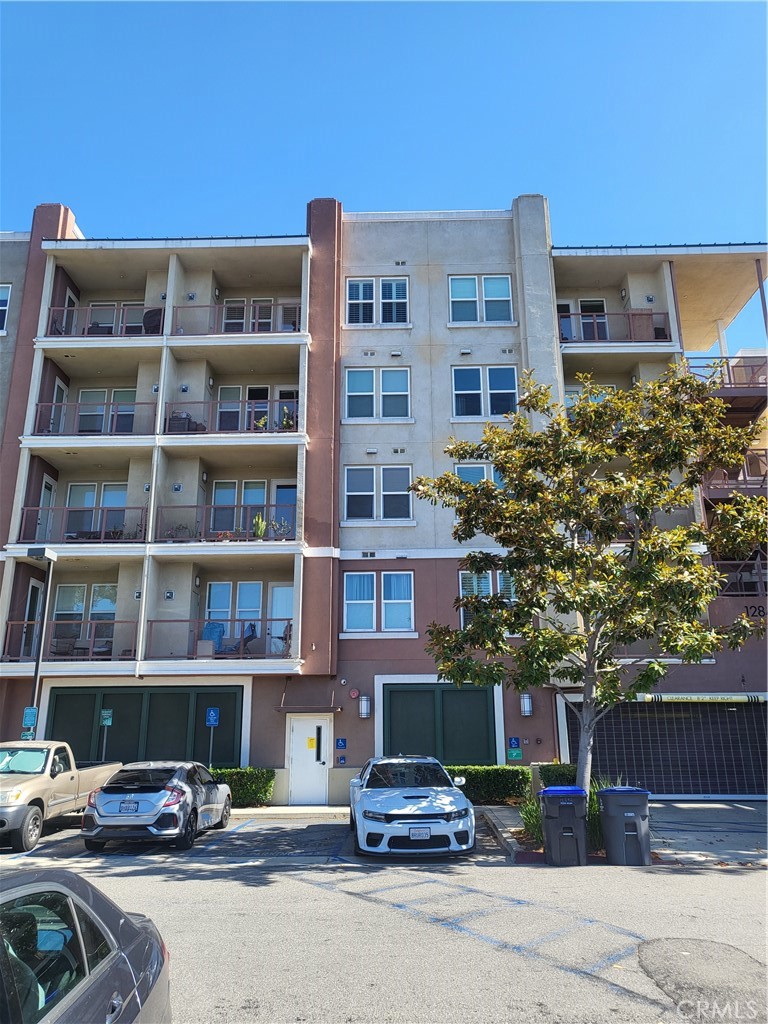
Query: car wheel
x,y
188,836
26,836
94,845
224,820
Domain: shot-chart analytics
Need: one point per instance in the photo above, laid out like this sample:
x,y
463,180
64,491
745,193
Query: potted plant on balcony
x,y
281,530
259,526
288,419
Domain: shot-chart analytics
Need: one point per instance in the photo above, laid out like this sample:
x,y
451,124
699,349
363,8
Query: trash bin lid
x,y
624,789
562,791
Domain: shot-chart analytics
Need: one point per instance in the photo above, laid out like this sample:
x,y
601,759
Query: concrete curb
x,y
502,834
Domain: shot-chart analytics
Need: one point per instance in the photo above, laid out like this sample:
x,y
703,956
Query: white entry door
x,y
308,758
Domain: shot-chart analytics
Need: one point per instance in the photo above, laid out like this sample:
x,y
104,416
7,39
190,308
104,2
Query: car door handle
x,y
114,1009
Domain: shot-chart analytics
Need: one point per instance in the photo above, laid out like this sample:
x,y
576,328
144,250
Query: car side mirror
x,y
56,769
459,780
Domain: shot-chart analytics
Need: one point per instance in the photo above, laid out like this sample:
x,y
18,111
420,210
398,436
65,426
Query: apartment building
x,y
14,250
217,441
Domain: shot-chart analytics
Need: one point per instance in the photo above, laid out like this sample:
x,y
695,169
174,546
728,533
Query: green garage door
x,y
157,723
453,725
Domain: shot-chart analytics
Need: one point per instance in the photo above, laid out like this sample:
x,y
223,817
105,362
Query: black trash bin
x,y
564,821
624,817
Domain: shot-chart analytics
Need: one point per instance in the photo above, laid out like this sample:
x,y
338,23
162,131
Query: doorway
x,y
309,738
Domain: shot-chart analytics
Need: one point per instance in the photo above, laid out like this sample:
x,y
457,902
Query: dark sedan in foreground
x,y
156,801
69,955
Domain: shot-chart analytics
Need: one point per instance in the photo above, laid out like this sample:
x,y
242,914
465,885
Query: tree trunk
x,y
586,739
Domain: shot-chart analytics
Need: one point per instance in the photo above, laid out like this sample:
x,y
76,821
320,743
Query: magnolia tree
x,y
591,518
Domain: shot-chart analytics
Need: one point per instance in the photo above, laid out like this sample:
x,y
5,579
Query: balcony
x,y
238,318
741,381
748,478
54,525
224,523
636,326
81,640
236,638
88,418
232,417
105,319
744,579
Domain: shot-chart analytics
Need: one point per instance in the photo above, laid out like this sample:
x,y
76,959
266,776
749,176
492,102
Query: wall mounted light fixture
x,y
210,382
526,705
197,581
364,707
184,389
204,477
216,294
191,296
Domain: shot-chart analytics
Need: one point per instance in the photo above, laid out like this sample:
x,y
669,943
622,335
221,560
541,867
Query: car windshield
x,y
397,775
17,761
158,777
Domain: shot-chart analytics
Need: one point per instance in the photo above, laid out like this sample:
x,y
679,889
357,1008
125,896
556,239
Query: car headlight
x,y
374,816
10,796
457,815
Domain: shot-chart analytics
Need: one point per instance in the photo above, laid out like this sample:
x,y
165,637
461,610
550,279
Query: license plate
x,y
419,833
128,806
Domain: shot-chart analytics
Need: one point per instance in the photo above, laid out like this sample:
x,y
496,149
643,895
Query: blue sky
x,y
642,122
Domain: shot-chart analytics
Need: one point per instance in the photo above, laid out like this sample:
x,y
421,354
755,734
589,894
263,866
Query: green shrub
x,y
251,787
493,784
530,812
557,774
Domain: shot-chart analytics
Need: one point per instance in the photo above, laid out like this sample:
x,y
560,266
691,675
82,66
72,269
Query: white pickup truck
x,y
39,779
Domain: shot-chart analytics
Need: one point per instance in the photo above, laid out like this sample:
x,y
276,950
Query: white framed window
x,y
505,586
484,391
377,301
473,585
5,298
377,493
359,602
476,472
485,298
381,393
236,605
573,391
396,601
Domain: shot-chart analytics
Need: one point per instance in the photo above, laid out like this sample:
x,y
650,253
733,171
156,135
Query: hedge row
x,y
557,774
251,787
493,784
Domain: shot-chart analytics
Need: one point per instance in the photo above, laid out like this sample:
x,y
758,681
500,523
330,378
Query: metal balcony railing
x,y
278,416
231,638
633,326
744,579
732,371
748,478
247,317
73,640
108,418
185,523
101,525
105,319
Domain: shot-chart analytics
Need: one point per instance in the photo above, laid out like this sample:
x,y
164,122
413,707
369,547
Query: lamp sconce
x,y
184,389
623,294
191,296
197,581
204,477
155,389
210,382
526,705
163,296
147,488
216,294
364,707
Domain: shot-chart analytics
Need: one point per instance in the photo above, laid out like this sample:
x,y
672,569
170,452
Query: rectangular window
x,y
473,585
496,305
359,601
493,393
395,493
234,316
397,600
360,301
5,298
506,587
360,492
470,473
377,301
594,323
383,393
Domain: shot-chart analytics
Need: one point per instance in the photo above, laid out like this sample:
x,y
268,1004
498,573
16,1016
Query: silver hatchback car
x,y
156,801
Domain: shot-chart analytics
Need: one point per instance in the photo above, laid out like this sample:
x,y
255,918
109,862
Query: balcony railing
x,y
748,478
732,371
106,319
80,640
106,419
101,525
204,638
185,523
232,417
744,579
633,326
238,318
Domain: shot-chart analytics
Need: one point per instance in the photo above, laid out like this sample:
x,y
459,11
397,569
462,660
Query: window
x,y
246,609
484,299
377,301
378,393
5,298
594,323
479,585
476,472
360,604
393,500
484,391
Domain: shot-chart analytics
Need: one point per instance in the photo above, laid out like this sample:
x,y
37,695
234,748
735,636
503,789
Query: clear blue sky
x,y
642,122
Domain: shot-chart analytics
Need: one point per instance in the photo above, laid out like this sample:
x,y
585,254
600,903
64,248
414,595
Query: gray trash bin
x,y
624,817
564,821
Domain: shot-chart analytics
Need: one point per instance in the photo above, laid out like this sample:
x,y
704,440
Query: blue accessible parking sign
x,y
211,717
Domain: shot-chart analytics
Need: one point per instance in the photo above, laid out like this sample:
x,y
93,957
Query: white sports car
x,y
409,804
